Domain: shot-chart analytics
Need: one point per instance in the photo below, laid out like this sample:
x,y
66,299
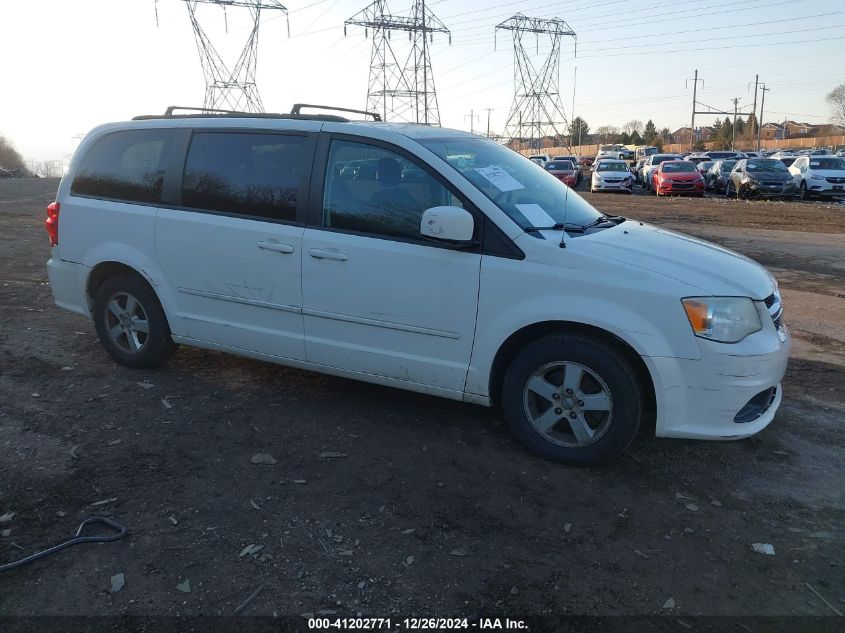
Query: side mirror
x,y
451,224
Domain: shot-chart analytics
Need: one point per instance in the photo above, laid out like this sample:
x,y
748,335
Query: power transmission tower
x,y
537,108
401,91
232,88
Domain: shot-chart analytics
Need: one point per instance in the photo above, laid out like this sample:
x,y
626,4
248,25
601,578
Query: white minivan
x,y
416,257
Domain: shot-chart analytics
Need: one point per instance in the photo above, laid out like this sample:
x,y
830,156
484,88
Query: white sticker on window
x,y
816,164
499,178
752,164
536,215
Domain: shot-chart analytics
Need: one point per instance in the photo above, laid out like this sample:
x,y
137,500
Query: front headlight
x,y
816,177
722,319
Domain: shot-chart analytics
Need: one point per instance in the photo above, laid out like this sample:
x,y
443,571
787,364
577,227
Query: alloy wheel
x,y
568,404
126,322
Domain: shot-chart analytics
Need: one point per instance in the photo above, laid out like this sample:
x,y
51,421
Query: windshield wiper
x,y
554,227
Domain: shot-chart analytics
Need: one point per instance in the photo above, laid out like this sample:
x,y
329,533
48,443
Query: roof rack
x,y
198,113
297,108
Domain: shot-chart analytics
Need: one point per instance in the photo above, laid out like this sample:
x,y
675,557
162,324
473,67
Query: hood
x,y
706,268
767,174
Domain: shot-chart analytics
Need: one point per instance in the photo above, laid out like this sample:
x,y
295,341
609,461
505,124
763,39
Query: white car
x,y
819,176
650,166
539,159
416,257
611,175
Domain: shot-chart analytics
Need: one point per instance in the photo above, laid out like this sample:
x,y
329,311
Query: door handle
x,y
319,253
277,247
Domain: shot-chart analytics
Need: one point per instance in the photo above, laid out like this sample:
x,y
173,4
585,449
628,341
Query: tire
x,y
804,194
605,376
114,309
728,189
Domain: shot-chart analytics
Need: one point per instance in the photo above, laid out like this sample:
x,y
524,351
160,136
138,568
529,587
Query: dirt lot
x,y
432,509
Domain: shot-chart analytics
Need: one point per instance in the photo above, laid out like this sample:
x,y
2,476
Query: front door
x,y
232,252
377,297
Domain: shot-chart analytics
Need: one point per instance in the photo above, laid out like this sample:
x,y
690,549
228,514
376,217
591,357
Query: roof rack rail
x,y
197,113
297,109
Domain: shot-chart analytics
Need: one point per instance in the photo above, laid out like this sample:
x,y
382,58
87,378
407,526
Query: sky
x,y
70,65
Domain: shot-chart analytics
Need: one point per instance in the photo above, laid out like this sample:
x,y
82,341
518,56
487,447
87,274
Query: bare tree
x,y
836,100
633,126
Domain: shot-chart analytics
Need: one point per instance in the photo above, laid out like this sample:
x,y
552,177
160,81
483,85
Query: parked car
x,y
786,160
540,159
722,155
565,171
612,175
227,232
575,161
716,178
841,153
637,170
704,166
697,158
650,166
587,161
760,178
645,152
819,176
677,177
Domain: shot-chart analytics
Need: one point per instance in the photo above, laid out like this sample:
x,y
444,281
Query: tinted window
x,y
727,165
256,175
765,164
662,159
560,165
827,163
126,165
374,190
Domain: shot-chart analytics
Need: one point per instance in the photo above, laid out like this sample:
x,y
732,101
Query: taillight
x,y
52,223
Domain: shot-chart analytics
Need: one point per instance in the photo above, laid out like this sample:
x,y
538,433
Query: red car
x,y
563,170
677,177
587,161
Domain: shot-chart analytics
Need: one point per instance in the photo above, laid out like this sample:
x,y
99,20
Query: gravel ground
x,y
385,502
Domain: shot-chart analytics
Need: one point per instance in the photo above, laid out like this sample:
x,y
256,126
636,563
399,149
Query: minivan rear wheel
x,y
572,399
131,323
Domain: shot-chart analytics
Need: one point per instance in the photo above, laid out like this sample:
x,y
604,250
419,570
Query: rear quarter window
x,y
126,166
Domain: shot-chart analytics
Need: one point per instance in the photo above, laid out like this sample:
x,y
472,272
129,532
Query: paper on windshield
x,y
536,215
499,178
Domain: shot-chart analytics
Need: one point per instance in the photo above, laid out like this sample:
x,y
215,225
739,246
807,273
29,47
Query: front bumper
x,y
604,185
768,191
680,188
824,188
710,398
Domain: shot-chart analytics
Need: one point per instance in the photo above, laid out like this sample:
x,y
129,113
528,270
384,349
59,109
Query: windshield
x,y
788,160
560,165
531,197
764,164
678,166
827,163
705,165
612,165
727,165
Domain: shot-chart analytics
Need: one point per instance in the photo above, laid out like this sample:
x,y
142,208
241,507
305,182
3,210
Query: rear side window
x,y
126,165
254,175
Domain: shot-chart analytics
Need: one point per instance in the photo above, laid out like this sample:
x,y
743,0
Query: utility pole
x,y
472,117
572,111
733,130
760,122
489,110
692,122
754,109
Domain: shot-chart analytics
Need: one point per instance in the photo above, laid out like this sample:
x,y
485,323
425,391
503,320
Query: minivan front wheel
x,y
572,399
131,323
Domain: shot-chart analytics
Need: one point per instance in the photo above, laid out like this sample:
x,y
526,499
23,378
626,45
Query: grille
x,y
683,185
613,180
770,300
772,183
775,308
836,180
757,406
